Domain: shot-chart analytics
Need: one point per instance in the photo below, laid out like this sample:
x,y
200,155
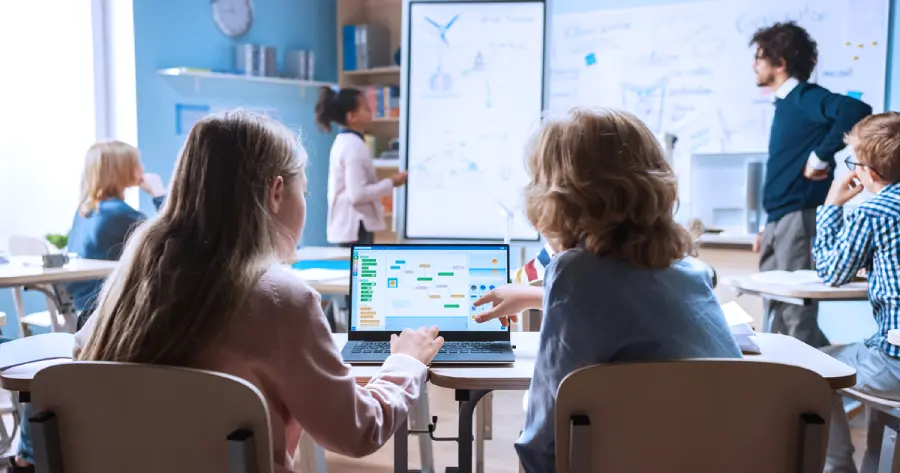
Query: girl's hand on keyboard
x,y
422,344
508,302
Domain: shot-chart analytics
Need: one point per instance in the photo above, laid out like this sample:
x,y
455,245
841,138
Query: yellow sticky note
x,y
860,45
874,43
848,43
855,58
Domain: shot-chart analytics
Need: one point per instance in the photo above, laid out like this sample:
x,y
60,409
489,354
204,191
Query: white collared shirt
x,y
783,91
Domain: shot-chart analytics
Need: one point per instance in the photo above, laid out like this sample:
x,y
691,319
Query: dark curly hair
x,y
788,44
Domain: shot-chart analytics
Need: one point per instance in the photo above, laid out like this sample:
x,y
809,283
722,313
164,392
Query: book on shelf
x,y
383,100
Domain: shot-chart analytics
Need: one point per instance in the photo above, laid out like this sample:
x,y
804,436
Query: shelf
x,y
375,71
386,120
206,74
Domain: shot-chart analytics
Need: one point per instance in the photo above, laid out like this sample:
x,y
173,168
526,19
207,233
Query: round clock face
x,y
233,17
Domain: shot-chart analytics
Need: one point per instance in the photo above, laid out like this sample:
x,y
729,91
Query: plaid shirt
x,y
866,237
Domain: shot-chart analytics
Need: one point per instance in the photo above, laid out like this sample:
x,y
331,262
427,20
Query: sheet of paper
x,y
787,277
319,274
735,315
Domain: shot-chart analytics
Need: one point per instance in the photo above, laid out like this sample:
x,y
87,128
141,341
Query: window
x,y
56,102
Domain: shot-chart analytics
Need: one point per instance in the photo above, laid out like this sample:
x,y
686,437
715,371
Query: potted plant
x,y
58,241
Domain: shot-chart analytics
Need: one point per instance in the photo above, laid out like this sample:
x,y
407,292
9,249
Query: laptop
x,y
399,286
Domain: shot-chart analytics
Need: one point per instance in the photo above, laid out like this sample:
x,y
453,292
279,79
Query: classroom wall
x,y
173,33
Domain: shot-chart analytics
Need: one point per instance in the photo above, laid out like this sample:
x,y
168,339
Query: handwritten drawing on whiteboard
x,y
474,96
685,69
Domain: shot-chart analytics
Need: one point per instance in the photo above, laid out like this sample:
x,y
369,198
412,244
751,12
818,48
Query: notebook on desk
x,y
739,321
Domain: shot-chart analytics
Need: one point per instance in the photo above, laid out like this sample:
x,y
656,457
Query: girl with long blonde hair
x,y
201,286
619,287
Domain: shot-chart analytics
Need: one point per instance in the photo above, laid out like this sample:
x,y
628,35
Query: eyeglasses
x,y
852,165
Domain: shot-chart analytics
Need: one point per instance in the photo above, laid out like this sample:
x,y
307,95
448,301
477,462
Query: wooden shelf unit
x,y
389,14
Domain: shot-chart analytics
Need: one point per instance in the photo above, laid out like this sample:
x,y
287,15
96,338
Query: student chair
x,y
694,415
8,405
883,412
20,245
101,417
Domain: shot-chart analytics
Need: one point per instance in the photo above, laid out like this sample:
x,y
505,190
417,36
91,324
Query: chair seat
x,y
42,319
887,406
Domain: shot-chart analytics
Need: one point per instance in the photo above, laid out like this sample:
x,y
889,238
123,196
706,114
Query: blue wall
x,y
174,33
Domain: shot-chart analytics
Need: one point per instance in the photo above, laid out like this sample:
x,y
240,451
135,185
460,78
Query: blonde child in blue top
x,y
618,288
867,237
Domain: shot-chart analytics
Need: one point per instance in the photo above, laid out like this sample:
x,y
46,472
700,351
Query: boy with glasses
x,y
867,237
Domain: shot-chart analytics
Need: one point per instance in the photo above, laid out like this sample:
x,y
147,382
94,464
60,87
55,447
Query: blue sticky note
x,y
855,94
590,59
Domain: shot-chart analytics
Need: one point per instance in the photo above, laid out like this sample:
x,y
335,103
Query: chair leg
x,y
889,462
480,429
312,455
20,311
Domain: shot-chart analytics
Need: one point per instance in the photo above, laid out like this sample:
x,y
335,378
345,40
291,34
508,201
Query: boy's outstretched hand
x,y
844,189
508,302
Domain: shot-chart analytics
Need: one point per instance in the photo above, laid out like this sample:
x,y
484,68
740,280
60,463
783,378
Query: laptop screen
x,y
395,287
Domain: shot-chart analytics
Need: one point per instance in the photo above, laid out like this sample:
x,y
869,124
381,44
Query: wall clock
x,y
233,17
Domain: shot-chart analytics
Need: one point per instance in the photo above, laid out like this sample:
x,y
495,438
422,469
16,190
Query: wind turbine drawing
x,y
443,29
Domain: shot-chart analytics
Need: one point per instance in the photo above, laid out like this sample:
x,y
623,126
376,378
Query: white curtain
x,y
48,115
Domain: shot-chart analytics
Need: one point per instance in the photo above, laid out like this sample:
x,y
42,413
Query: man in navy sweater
x,y
807,130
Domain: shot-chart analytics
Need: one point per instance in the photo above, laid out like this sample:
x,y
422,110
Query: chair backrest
x,y
22,245
692,416
114,417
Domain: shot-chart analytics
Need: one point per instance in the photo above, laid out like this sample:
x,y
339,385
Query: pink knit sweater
x,y
280,342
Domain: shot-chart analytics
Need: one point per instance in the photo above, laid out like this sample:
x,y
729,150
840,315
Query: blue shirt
x,y
599,310
101,235
809,119
866,237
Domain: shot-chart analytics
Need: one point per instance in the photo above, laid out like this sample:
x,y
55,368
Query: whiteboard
x,y
475,88
686,68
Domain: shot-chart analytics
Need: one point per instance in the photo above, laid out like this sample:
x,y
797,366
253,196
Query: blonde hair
x,y
183,275
876,142
109,168
600,180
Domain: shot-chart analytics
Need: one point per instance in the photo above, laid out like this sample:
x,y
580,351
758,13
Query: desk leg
x,y
60,298
467,402
401,448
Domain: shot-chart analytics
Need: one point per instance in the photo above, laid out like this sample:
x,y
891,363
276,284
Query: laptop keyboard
x,y
448,347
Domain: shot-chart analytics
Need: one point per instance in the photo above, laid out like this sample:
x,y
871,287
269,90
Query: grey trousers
x,y
787,245
876,374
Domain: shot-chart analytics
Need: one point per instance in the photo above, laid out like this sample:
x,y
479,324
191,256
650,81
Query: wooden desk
x,y
334,287
322,253
29,274
799,294
21,272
